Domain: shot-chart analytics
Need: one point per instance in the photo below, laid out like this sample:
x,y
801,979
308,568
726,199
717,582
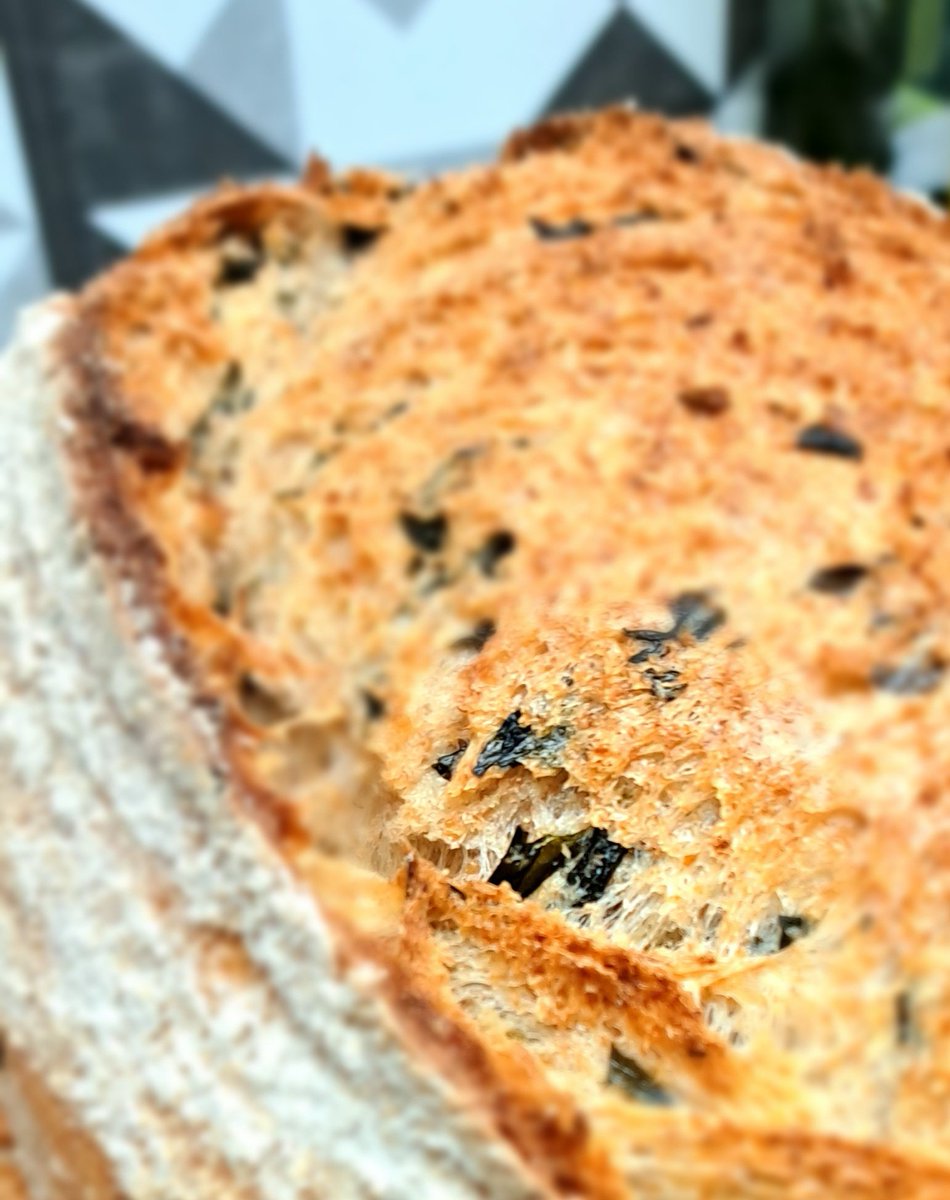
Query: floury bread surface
x,y
475,719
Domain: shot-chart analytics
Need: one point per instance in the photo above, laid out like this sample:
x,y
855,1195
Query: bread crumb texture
x,y
576,528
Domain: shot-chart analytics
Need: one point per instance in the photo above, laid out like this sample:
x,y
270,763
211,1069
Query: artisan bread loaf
x,y
475,705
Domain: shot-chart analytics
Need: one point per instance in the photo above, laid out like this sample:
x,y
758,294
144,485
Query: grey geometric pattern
x,y
169,29
626,62
105,120
260,95
460,75
742,107
747,34
696,35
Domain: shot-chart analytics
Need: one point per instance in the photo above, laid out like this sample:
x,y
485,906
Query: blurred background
x,y
115,113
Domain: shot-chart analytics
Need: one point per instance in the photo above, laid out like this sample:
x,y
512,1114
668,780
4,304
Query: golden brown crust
x,y
547,1128
580,980
604,421
100,432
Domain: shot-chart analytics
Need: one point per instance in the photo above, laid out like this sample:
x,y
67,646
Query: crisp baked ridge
x,y
575,526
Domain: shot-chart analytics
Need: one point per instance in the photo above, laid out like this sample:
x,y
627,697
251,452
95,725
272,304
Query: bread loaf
x,y
474,702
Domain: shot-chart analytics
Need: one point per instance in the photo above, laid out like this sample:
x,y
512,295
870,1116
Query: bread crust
x,y
93,588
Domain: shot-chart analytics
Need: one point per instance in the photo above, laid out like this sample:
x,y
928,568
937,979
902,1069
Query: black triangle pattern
x,y
104,121
122,124
625,61
243,60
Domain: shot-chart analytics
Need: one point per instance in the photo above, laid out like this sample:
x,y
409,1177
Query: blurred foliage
x,y
925,40
828,94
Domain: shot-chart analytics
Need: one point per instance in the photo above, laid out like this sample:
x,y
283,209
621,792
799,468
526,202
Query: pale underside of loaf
x,y
475,695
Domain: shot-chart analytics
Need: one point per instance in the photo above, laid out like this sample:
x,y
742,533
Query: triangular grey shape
x,y
623,62
747,35
244,63
103,120
9,220
400,12
742,108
